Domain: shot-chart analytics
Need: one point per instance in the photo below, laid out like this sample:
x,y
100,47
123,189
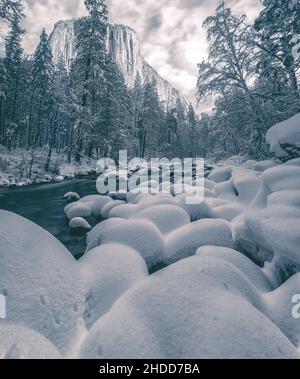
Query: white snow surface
x,y
17,342
41,281
284,133
109,270
200,307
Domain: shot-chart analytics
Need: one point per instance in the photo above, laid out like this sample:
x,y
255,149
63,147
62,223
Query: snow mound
x,y
87,206
254,273
185,241
246,184
165,217
282,178
41,281
197,211
109,270
284,138
123,211
17,342
94,236
71,196
228,211
109,206
78,209
141,235
79,223
221,174
208,302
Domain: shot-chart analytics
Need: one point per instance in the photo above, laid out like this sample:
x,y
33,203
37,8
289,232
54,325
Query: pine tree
x,y
277,24
60,115
13,64
41,96
3,88
10,9
150,122
88,72
117,114
192,124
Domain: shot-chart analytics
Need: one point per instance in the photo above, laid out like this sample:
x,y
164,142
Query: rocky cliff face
x,y
124,47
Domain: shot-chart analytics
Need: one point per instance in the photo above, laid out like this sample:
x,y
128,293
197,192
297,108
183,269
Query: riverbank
x,y
19,168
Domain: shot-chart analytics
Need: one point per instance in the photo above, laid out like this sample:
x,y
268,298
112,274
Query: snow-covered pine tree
x,y
151,120
87,73
277,24
192,131
10,9
117,113
13,64
60,112
3,82
41,96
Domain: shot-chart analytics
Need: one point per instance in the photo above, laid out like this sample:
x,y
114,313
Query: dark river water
x,y
44,205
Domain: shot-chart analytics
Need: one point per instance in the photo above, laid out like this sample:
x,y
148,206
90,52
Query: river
x,y
44,205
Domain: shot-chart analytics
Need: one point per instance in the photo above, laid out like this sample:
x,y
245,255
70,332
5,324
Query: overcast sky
x,y
170,31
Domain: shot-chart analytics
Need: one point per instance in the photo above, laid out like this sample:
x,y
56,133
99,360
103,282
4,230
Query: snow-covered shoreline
x,y
15,166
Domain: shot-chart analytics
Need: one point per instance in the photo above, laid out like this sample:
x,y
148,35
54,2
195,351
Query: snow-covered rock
x,y
123,211
78,209
165,217
141,235
184,242
87,206
71,196
79,223
41,282
201,208
109,270
109,206
17,342
284,138
58,179
201,307
95,235
221,174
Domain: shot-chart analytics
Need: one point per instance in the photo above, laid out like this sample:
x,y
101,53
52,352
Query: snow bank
x,y
41,281
185,241
109,270
201,307
284,138
17,342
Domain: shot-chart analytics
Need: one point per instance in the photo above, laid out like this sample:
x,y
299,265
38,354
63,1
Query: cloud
x,y
170,31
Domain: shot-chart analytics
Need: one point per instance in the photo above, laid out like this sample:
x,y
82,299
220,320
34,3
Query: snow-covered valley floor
x,y
230,288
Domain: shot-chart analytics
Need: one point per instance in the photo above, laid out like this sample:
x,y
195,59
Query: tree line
x,y
252,75
88,110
